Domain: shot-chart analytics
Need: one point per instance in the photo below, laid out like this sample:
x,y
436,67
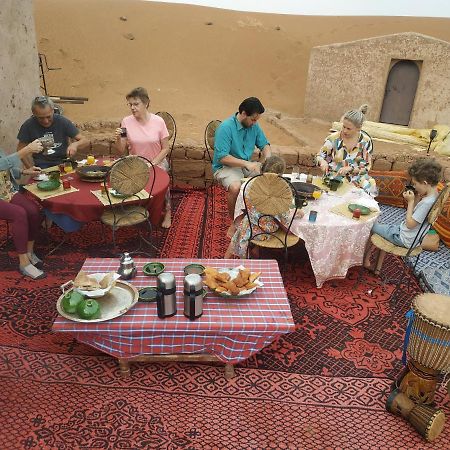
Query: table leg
x,y
229,371
124,366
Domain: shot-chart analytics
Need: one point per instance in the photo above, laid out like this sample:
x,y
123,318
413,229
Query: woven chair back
x,y
129,175
210,133
439,204
170,123
270,194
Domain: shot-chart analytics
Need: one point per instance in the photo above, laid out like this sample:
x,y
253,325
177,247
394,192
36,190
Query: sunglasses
x,y
42,99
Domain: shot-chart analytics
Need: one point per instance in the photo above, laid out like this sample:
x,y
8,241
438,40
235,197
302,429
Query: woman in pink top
x,y
147,136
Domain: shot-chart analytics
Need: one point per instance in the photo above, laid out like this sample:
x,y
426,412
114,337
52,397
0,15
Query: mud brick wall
x,y
191,165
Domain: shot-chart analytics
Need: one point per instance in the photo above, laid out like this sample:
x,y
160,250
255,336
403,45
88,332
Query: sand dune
x,y
198,63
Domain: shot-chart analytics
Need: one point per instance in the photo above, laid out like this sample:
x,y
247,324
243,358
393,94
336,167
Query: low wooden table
x,y
229,331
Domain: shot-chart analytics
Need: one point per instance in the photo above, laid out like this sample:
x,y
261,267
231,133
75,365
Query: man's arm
x,y
266,152
231,161
79,141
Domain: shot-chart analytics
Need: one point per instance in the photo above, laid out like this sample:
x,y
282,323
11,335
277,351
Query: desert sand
x,y
197,63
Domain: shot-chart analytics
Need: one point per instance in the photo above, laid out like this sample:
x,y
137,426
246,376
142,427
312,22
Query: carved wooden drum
x,y
429,332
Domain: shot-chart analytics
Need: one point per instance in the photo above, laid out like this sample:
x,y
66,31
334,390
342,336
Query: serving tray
x,y
115,303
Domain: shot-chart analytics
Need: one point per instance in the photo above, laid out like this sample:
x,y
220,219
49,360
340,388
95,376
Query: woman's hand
x,y
323,166
32,171
344,170
34,147
118,133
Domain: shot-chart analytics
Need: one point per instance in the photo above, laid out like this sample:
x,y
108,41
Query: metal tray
x,y
115,303
92,173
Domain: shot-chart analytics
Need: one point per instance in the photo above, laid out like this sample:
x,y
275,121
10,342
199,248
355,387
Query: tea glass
x,y
90,159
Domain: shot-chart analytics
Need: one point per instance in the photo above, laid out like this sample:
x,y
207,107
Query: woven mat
x,y
341,190
342,210
115,200
43,195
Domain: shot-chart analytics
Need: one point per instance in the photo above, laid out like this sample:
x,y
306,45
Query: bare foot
x,y
167,221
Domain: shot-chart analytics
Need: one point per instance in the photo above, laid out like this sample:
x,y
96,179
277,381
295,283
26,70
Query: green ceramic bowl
x,y
153,269
198,269
49,185
364,209
147,294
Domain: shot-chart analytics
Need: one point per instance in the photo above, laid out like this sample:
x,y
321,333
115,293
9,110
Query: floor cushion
x,y
391,185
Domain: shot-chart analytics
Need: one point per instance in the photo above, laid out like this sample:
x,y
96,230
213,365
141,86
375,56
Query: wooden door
x,y
400,92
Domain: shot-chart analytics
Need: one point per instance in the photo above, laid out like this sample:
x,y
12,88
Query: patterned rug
x,y
322,386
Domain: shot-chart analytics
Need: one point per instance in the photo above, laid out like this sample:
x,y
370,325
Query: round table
x,y
83,206
334,243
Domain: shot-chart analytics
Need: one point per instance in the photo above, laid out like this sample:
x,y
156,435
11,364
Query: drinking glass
x,y
295,173
68,169
90,159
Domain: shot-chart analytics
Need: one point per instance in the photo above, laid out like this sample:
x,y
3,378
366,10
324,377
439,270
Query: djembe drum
x,y
427,342
426,420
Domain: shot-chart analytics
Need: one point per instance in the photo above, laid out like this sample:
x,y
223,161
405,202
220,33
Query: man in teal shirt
x,y
234,143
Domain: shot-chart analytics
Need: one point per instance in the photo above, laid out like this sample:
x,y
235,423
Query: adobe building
x,y
404,78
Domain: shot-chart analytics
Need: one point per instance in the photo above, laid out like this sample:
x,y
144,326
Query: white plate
x,y
99,292
233,274
115,303
41,177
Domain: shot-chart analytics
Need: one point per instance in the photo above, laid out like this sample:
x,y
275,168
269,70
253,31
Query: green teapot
x,y
70,301
88,309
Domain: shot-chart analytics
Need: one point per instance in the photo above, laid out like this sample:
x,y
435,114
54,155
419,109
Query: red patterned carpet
x,y
323,386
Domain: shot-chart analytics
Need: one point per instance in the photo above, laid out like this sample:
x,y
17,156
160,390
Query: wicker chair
x,y
210,132
128,176
266,197
415,249
172,129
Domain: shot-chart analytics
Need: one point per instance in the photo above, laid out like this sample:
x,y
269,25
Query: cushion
x,y
442,224
436,280
391,185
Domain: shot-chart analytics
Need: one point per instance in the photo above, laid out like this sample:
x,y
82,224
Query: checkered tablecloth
x,y
231,329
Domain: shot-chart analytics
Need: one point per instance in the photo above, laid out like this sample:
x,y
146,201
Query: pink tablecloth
x,y
231,329
85,207
334,243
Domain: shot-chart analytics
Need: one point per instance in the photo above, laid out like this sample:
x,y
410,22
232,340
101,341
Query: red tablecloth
x,y
86,207
231,329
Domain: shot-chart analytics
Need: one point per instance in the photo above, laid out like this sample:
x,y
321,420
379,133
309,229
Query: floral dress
x,y
337,155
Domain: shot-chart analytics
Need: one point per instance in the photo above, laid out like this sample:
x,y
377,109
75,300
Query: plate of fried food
x,y
232,282
95,285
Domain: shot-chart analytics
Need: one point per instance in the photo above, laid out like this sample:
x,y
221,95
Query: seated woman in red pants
x,y
18,210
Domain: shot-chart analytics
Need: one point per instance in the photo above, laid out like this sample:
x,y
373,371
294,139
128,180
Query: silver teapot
x,y
127,268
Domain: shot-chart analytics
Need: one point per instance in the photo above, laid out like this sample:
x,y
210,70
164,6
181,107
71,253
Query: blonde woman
x,y
349,152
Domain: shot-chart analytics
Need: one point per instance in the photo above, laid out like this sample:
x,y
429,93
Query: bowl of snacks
x,y
92,173
232,282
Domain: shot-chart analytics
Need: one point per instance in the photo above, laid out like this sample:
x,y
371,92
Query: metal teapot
x,y
127,268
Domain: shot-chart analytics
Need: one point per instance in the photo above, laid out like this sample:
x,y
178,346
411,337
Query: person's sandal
x,y
32,272
35,260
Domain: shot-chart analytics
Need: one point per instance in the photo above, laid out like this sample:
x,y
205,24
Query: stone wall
x,y
190,163
19,67
347,75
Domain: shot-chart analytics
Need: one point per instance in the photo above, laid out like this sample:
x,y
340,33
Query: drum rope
x,y
410,316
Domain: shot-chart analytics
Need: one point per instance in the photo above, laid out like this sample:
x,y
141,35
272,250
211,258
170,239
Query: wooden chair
x,y
415,249
267,197
172,129
128,176
210,132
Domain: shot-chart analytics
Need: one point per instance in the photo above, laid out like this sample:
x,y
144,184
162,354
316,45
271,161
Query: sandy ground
x,y
197,63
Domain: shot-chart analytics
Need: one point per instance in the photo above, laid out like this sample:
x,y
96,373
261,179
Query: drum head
x,y
435,307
